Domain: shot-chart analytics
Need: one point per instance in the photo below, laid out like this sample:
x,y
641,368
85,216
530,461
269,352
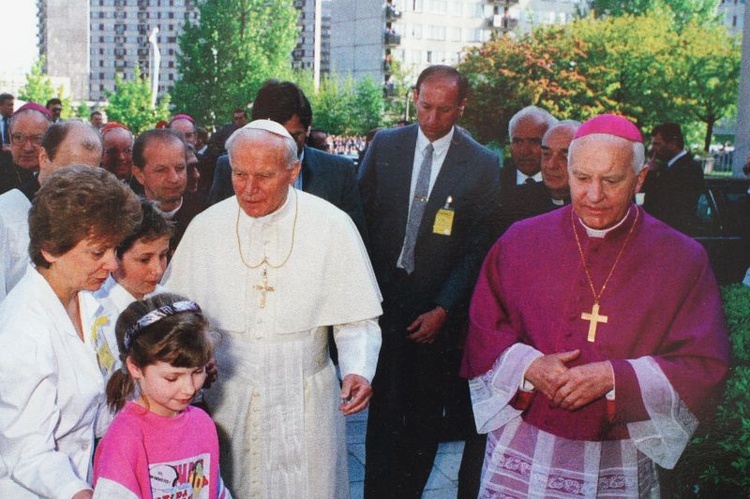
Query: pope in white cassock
x,y
272,268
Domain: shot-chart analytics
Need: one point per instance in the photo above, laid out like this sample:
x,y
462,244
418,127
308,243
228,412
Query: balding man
x,y
118,150
184,124
65,143
281,267
594,364
27,128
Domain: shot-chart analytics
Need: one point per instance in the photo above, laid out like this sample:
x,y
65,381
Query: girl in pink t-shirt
x,y
159,446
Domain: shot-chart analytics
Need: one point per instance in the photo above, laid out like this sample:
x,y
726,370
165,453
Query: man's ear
x,y
138,174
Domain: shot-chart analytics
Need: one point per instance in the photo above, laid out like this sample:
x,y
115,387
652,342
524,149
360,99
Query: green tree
x,y
230,52
640,66
38,87
367,112
708,77
541,69
681,11
344,107
82,111
130,104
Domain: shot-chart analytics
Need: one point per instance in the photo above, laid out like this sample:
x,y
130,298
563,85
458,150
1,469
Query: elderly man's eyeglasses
x,y
20,138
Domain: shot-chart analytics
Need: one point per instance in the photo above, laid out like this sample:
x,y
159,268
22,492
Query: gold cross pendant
x,y
263,287
594,319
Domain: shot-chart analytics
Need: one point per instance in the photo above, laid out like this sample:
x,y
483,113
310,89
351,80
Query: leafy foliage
x,y
38,86
717,463
230,52
130,104
681,11
596,65
344,107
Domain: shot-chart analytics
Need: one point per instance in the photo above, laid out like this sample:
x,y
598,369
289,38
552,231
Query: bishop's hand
x,y
356,393
583,384
544,372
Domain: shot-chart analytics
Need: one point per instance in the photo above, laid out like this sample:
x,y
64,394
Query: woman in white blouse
x,y
50,381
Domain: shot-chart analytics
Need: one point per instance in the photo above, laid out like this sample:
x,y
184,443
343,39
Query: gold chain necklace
x,y
263,287
594,317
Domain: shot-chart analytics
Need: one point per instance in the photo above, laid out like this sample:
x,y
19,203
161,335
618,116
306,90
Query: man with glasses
x,y
27,128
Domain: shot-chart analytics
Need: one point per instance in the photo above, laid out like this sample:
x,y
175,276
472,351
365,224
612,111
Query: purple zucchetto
x,y
182,117
33,106
610,124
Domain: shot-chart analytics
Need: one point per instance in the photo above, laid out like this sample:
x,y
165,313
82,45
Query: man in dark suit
x,y
428,191
525,130
530,200
327,176
672,189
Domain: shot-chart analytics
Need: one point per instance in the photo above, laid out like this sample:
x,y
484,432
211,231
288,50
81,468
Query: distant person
x,y
7,102
184,124
96,118
318,139
164,345
201,140
27,128
536,198
525,130
672,189
54,106
117,157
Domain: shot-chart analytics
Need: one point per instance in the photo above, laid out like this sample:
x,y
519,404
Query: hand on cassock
x,y
356,393
583,384
425,328
544,372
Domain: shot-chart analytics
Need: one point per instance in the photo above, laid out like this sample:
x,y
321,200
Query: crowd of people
x,y
172,302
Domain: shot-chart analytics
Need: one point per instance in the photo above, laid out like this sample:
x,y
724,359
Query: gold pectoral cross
x,y
263,287
594,319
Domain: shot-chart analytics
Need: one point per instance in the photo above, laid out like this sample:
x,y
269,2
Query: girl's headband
x,y
156,315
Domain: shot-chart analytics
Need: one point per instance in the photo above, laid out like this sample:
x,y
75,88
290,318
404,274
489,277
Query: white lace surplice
x,y
523,461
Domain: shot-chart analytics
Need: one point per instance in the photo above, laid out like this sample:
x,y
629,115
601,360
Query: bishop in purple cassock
x,y
594,361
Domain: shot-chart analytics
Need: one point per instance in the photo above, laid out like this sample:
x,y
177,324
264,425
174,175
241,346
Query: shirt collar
x,y
440,146
601,233
673,160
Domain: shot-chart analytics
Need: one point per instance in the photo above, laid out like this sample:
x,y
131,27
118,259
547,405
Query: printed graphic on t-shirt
x,y
184,479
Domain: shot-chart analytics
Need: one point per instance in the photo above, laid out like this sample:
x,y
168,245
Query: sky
x,y
18,36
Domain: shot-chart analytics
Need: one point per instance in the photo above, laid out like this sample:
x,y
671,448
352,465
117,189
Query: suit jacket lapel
x,y
402,165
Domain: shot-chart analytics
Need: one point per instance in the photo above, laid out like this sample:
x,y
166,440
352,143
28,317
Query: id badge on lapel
x,y
444,219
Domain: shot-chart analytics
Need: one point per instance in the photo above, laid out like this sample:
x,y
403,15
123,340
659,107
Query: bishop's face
x,y
602,179
260,174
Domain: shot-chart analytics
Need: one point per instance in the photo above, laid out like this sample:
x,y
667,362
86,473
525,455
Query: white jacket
x,y
50,389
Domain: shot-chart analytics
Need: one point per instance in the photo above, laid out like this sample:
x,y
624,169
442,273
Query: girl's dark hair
x,y
153,226
180,339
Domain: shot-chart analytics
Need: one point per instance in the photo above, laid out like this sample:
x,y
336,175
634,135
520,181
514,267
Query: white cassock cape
x,y
276,400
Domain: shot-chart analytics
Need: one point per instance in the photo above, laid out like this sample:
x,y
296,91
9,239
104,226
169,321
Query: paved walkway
x,y
443,482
